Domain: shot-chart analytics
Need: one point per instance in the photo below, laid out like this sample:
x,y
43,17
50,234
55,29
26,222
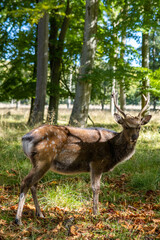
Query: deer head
x,y
131,124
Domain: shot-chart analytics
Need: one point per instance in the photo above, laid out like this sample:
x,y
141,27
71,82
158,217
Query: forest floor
x,y
129,198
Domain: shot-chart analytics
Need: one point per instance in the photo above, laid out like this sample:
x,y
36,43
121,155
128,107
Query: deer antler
x,y
145,106
113,95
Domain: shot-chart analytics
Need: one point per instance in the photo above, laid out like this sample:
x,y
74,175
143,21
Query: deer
x,y
74,150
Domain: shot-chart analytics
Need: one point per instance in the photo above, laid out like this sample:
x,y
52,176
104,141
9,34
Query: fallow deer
x,y
71,150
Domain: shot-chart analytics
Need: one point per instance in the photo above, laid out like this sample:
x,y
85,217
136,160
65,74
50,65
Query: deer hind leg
x,y
34,195
29,181
95,183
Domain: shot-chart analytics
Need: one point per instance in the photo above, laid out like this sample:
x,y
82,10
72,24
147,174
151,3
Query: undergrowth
x,y
129,197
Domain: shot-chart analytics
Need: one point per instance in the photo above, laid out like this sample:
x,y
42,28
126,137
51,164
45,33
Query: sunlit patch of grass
x,y
66,192
63,197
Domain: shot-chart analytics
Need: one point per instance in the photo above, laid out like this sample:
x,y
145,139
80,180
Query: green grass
x,y
129,197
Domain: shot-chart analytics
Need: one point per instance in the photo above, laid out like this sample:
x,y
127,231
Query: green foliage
x,y
17,48
155,83
16,83
18,32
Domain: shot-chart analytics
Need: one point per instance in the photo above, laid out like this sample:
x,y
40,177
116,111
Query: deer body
x,y
70,150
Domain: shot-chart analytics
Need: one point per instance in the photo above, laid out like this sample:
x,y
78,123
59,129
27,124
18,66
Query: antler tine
x,y
113,96
145,106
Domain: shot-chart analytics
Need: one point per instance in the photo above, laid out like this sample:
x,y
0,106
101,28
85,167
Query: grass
x,y
129,198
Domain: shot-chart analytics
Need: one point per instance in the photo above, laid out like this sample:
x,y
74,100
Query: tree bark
x,y
56,48
31,112
122,92
34,77
80,109
145,64
145,52
42,67
122,54
113,60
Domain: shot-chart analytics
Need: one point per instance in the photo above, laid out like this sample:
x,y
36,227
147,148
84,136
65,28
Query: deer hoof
x,y
40,215
18,222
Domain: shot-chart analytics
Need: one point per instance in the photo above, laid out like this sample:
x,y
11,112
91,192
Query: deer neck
x,y
121,149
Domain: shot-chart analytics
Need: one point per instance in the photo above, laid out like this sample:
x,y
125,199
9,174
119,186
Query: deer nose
x,y
134,137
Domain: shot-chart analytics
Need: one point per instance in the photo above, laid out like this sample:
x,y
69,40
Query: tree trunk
x,y
42,65
112,105
56,48
122,92
80,109
122,54
34,77
145,53
31,112
145,64
153,67
113,60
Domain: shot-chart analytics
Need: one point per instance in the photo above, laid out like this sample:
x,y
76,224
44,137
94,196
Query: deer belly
x,y
70,161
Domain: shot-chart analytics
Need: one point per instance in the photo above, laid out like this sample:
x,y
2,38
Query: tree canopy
x,y
118,62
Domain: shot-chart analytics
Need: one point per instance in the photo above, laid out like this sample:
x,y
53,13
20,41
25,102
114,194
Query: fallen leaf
x,y
153,230
127,226
10,174
29,206
99,225
14,207
3,222
73,230
156,220
53,182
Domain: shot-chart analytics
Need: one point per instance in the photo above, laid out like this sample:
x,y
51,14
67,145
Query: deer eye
x,y
126,127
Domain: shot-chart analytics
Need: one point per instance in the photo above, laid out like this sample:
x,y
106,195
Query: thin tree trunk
x,y
154,52
145,64
34,77
42,67
113,60
122,92
31,111
145,53
80,109
122,54
56,48
112,106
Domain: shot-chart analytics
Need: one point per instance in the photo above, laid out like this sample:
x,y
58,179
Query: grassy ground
x,y
129,198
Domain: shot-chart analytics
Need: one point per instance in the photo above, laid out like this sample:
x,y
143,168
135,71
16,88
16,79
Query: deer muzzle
x,y
134,137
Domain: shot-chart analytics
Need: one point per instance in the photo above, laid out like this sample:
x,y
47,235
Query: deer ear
x,y
118,118
145,119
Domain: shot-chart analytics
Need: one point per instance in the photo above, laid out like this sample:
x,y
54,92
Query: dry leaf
x,y
3,222
53,182
29,206
73,230
13,207
10,174
156,220
100,225
153,230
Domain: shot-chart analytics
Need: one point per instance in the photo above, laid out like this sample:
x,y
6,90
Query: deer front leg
x,y
30,180
95,183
